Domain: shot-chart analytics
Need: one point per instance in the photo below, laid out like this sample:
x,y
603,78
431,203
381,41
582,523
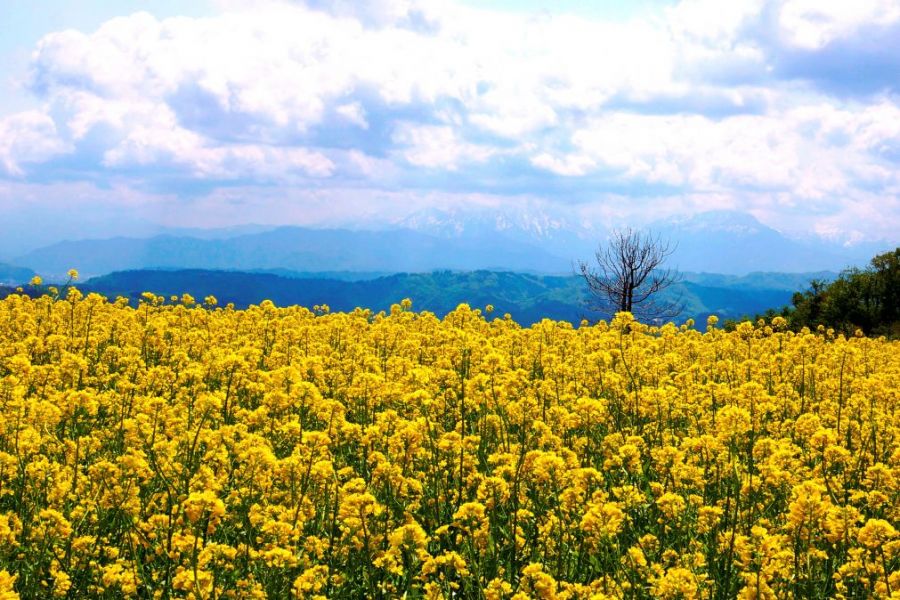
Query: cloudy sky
x,y
118,114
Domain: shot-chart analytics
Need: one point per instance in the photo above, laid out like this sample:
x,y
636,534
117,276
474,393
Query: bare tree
x,y
629,276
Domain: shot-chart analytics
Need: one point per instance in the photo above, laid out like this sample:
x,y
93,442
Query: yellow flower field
x,y
182,450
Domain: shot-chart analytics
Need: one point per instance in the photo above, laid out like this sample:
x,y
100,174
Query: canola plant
x,y
178,449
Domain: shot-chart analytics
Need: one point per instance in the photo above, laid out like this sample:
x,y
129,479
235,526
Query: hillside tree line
x,y
866,299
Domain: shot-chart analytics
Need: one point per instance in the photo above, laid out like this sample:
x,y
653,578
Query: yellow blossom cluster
x,y
177,449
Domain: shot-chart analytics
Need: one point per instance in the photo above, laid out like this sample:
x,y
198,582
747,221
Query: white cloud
x,y
812,24
812,152
438,147
28,137
280,66
711,22
353,112
695,98
568,165
147,146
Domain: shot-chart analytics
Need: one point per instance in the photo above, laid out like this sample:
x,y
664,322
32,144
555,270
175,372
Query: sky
x,y
121,115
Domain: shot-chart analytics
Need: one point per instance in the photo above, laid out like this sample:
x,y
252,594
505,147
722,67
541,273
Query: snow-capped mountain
x,y
735,242
716,241
532,239
553,231
725,221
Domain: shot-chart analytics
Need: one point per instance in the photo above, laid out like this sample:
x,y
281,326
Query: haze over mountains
x,y
537,242
297,249
522,262
526,297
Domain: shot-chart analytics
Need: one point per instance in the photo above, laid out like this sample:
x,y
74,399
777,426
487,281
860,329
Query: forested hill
x,y
527,297
11,275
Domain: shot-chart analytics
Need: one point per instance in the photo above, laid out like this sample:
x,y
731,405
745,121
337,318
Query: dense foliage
x,y
183,450
866,298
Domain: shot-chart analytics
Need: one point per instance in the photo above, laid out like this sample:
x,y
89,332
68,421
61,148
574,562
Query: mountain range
x,y
295,249
12,275
526,297
535,242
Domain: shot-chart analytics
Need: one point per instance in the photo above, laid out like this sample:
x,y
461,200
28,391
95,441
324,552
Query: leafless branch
x,y
628,275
